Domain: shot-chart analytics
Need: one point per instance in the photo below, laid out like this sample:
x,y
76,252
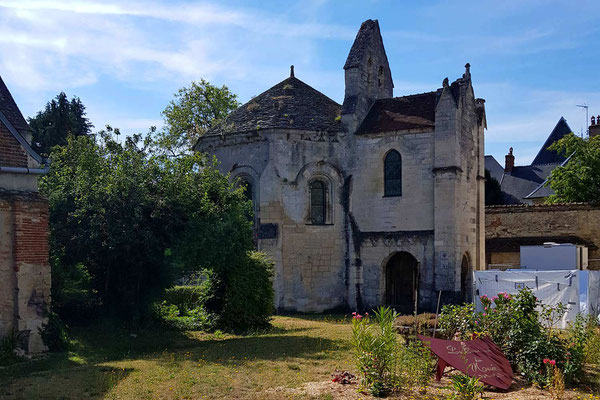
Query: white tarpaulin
x,y
577,290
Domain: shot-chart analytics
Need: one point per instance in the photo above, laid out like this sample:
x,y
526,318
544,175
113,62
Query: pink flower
x,y
366,314
357,316
552,362
546,360
476,323
484,314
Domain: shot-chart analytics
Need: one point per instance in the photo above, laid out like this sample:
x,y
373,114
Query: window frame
x,y
387,190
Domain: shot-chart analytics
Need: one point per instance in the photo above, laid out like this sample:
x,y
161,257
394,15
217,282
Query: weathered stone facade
x,y
24,267
509,227
368,244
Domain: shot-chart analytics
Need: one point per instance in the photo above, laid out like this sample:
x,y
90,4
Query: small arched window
x,y
318,202
392,175
248,190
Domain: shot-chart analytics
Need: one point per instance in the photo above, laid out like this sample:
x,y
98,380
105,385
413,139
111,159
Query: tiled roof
x,y
291,104
521,181
496,170
546,156
9,108
409,112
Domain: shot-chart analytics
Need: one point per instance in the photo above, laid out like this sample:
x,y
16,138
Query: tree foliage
x,y
60,118
194,110
132,218
493,192
579,179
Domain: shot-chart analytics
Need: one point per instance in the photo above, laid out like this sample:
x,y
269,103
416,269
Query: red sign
x,y
479,358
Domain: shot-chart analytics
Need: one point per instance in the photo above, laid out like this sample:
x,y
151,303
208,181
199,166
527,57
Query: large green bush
x,y
247,305
125,219
249,297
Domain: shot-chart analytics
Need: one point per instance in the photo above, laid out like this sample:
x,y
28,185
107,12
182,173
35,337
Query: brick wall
x,y
507,227
24,267
11,152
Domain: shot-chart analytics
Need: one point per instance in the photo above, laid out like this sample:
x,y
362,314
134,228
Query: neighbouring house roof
x,y
11,117
522,181
528,182
416,111
9,108
546,156
496,170
291,104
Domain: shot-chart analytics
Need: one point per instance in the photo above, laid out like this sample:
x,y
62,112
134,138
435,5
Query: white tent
x,y
578,290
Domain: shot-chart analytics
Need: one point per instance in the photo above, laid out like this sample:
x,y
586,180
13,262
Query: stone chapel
x,y
379,200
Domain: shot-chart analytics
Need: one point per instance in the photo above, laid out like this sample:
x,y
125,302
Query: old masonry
x,y
368,202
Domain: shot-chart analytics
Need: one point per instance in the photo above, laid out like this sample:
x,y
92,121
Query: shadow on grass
x,y
84,381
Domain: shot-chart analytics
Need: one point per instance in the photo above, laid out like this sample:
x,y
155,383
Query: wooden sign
x,y
479,358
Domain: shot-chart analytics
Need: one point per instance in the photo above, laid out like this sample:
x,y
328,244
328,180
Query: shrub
x,y
375,346
415,365
466,387
249,297
54,333
8,345
457,319
513,323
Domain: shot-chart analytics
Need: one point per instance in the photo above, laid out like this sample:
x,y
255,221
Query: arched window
x,y
318,202
392,175
248,190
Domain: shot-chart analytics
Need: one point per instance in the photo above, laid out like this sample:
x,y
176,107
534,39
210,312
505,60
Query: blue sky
x,y
533,61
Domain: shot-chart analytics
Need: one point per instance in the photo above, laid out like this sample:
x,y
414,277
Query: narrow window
x,y
317,203
393,174
248,190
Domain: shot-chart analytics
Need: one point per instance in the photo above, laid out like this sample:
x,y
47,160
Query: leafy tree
x,y
60,118
125,219
579,179
193,110
493,192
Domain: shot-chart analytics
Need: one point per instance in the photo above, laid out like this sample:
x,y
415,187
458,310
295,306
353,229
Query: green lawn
x,y
107,362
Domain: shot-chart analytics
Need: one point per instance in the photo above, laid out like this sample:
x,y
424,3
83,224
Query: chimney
x,y
595,126
509,161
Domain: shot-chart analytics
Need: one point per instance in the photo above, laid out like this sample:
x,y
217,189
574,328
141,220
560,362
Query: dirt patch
x,y
436,390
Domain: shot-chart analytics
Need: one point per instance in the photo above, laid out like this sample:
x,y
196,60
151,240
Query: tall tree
x,y
129,217
194,110
579,179
60,118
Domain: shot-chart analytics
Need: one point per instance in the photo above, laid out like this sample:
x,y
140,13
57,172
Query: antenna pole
x,y
587,129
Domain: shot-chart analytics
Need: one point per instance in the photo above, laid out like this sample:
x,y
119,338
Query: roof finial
x,y
467,70
291,71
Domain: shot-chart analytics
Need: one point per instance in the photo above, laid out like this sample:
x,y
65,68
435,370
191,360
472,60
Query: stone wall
x,y
508,227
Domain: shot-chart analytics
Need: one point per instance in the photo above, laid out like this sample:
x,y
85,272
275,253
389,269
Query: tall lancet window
x,y
392,174
318,205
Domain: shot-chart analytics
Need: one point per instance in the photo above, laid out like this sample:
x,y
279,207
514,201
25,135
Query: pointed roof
x,y
369,31
9,108
546,156
290,104
11,117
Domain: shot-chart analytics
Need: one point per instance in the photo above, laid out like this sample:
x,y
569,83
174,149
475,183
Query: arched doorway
x,y
401,282
466,279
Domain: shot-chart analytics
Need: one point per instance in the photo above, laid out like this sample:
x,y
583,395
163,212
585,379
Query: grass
x,y
110,362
